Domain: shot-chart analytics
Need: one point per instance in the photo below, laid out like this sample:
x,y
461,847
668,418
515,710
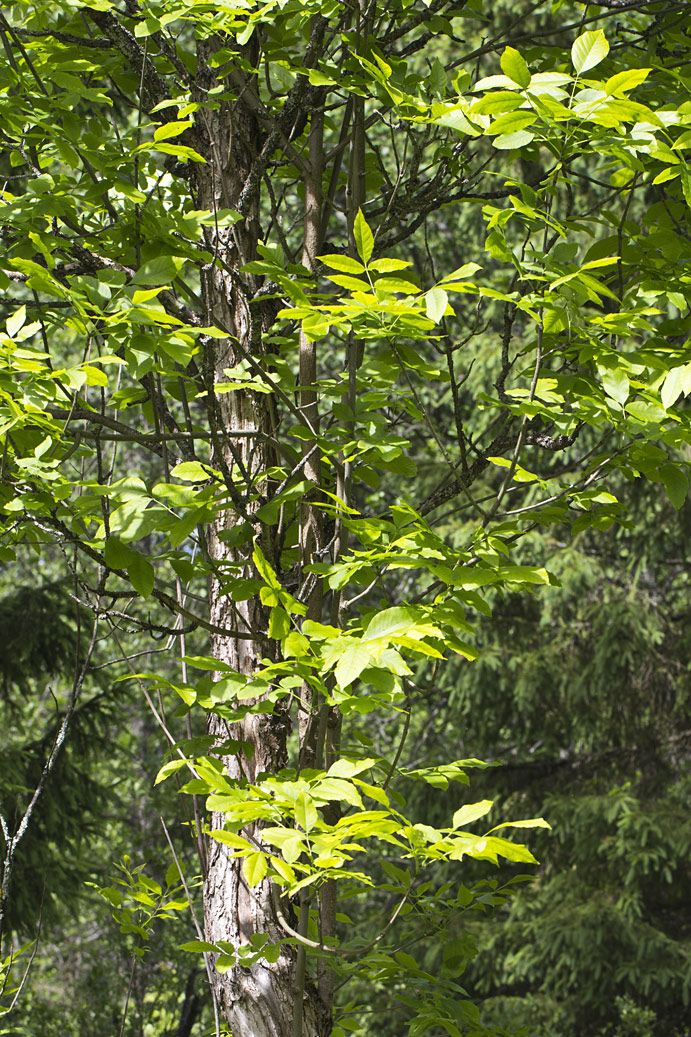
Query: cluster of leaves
x,y
590,305
581,695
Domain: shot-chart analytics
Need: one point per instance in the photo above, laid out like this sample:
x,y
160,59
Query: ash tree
x,y
288,286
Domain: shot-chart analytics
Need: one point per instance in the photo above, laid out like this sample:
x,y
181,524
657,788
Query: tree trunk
x,y
268,999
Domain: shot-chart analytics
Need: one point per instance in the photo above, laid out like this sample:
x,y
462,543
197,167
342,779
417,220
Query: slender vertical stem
x,y
127,996
301,965
311,522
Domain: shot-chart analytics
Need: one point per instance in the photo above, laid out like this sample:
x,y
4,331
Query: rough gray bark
x,y
266,1000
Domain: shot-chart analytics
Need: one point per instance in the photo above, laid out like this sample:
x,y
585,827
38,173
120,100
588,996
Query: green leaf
x,y
676,383
116,554
533,822
436,301
339,790
171,767
353,284
295,645
14,323
224,963
490,847
498,103
284,870
364,239
511,851
206,662
458,120
141,574
279,624
395,285
589,50
467,270
171,129
345,768
523,574
346,264
396,619
271,952
293,848
686,184
626,80
471,812
318,78
255,868
237,842
407,961
438,78
512,122
389,266
159,271
676,484
616,385
147,293
510,141
147,27
456,955
242,590
197,945
245,35
265,570
305,812
194,471
351,664
513,65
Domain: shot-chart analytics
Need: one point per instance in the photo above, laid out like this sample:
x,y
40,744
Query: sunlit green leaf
x,y
589,50
364,238
513,65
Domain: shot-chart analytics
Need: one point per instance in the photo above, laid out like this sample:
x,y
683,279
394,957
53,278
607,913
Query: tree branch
x,y
155,89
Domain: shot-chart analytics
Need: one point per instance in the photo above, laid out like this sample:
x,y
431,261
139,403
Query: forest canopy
x,y
344,458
